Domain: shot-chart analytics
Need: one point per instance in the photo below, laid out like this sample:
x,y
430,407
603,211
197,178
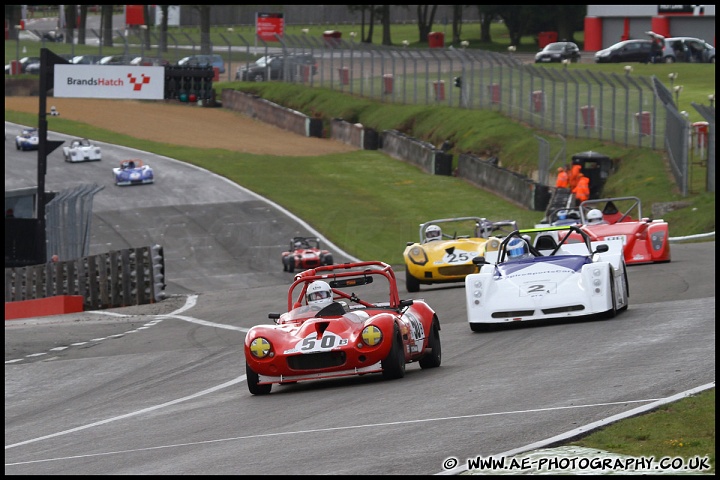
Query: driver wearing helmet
x,y
432,233
319,294
595,217
517,249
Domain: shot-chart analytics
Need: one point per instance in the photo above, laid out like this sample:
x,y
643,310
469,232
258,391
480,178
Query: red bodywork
x,y
304,253
645,240
367,329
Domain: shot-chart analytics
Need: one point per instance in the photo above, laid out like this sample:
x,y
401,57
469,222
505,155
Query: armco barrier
x,y
400,146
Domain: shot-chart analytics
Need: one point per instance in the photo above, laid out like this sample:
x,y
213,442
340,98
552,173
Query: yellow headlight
x,y
260,347
371,335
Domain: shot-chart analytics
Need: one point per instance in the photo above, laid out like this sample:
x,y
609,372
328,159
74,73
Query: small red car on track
x,y
304,253
644,240
342,320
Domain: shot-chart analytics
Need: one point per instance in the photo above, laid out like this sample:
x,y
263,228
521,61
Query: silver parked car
x,y
683,49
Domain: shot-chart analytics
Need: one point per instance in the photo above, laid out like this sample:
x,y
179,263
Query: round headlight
x,y
260,348
371,335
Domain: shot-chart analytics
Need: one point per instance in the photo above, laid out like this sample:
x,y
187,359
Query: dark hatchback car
x,y
557,52
625,51
278,67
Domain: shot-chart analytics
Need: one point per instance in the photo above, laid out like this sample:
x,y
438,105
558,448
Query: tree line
x,y
520,20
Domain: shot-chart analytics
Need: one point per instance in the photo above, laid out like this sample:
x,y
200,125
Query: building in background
x,y
606,25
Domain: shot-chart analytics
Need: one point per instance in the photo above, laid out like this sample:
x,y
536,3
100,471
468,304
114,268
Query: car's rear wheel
x,y
252,382
412,284
433,359
394,364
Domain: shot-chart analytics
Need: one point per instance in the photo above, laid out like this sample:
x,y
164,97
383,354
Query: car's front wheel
x,y
257,77
252,382
412,284
394,364
432,359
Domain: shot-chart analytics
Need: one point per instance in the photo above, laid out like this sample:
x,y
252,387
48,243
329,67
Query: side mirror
x,y
479,261
274,317
406,303
601,248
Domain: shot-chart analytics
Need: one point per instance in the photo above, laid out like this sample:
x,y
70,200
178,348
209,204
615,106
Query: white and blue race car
x,y
553,276
28,139
133,172
81,150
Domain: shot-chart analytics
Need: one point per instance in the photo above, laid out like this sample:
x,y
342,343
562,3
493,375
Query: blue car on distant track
x,y
133,172
28,139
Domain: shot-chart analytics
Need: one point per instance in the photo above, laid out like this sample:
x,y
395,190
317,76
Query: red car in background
x,y
644,240
304,253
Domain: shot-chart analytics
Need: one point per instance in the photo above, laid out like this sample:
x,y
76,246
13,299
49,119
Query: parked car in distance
x,y
683,49
557,52
34,67
203,61
273,67
149,62
87,59
114,60
625,51
24,62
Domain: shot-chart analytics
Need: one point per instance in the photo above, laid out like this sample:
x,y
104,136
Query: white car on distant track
x,y
28,139
81,150
526,280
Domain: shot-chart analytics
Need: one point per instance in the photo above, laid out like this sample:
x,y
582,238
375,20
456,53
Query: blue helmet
x,y
516,248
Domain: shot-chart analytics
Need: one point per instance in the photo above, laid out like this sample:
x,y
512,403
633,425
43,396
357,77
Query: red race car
x,y
304,253
644,240
342,320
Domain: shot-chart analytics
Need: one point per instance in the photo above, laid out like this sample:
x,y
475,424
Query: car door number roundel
x,y
416,327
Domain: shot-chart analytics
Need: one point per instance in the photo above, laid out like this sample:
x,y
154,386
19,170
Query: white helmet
x,y
319,293
594,216
516,249
433,232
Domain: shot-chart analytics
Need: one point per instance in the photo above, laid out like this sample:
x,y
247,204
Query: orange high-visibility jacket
x,y
575,173
562,179
582,189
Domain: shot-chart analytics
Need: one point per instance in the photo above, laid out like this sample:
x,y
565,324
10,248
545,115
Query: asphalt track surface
x,y
160,389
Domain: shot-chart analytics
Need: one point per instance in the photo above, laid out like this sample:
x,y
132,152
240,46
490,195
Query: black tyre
x,y
612,313
328,260
394,364
252,382
433,359
258,77
291,264
412,284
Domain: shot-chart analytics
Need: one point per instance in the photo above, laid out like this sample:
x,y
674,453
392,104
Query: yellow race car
x,y
447,247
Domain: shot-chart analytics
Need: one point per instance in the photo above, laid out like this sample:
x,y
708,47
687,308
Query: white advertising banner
x,y
109,81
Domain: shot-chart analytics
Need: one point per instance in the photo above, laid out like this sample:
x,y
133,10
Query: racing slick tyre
x,y
627,289
432,359
291,265
612,313
327,260
252,382
394,364
412,284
